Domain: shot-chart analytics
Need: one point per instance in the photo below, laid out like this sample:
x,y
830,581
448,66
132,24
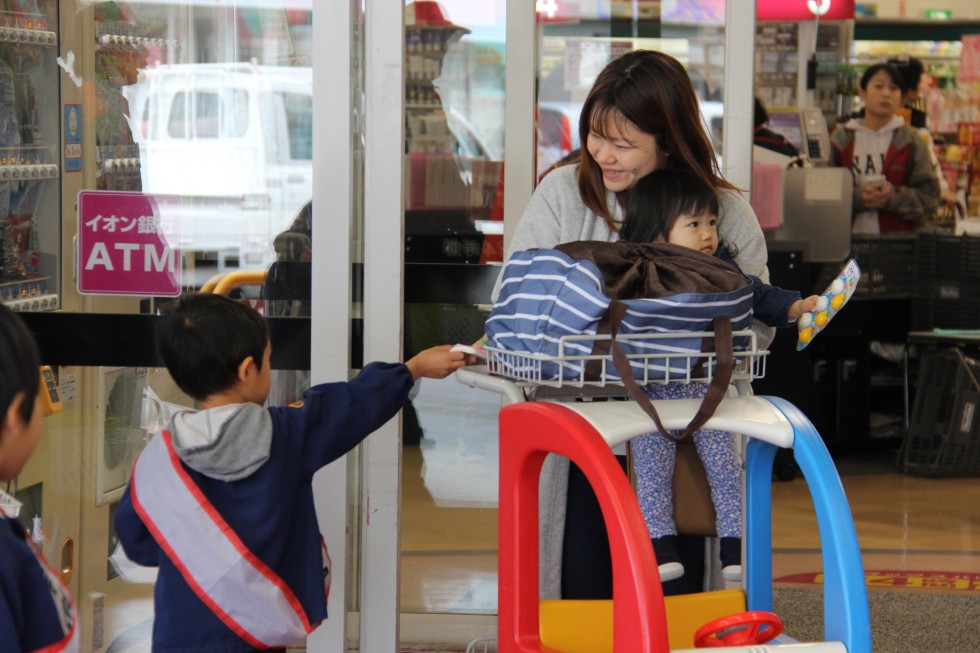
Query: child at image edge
x,y
221,500
36,611
676,206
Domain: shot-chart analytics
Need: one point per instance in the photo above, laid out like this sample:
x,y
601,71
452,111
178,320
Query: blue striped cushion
x,y
545,295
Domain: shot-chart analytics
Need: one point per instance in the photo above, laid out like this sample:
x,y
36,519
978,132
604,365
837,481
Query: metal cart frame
x,y
585,432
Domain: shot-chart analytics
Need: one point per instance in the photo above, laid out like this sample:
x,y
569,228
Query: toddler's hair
x,y
657,200
19,371
205,337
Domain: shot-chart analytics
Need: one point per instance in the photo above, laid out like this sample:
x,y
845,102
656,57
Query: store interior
x,y
171,94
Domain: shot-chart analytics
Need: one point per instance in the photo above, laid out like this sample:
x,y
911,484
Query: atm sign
x,y
126,245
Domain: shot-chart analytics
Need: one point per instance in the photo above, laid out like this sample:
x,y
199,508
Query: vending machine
x,y
30,161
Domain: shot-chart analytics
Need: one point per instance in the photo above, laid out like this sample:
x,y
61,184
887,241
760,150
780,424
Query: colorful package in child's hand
x,y
829,303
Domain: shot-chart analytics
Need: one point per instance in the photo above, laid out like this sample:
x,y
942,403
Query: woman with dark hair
x,y
895,185
641,115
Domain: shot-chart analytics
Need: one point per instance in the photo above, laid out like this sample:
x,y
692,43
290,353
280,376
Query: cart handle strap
x,y
717,388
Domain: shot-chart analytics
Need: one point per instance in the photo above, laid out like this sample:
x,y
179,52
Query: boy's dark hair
x,y
892,71
657,200
19,370
205,337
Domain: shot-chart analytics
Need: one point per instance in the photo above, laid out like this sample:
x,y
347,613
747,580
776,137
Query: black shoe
x,y
731,558
668,560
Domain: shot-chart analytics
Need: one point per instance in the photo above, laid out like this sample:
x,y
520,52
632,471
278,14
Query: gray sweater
x,y
556,215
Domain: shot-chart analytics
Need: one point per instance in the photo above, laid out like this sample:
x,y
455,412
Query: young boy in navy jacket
x,y
221,500
36,611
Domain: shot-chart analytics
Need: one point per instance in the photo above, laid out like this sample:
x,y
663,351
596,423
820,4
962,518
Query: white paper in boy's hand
x,y
467,349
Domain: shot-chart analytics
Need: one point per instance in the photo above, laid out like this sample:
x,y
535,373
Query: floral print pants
x,y
653,464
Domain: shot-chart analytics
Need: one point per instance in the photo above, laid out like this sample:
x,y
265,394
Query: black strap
x,y
717,389
722,378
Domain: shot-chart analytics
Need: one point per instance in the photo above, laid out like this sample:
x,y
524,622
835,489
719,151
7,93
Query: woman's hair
x,y
19,371
204,339
659,199
893,73
652,91
911,70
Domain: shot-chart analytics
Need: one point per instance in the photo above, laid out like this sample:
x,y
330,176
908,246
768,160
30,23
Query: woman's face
x,y
625,153
882,97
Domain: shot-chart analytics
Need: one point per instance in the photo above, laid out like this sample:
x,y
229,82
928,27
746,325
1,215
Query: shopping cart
x,y
639,618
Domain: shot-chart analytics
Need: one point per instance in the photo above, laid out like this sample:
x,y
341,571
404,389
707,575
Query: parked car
x,y
234,141
557,132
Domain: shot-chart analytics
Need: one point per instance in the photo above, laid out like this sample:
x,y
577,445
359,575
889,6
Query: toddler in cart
x,y
678,207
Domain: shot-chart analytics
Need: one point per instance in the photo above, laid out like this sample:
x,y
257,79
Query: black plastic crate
x,y
887,265
945,255
944,431
937,311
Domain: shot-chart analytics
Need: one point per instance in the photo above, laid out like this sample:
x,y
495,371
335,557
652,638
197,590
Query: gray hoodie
x,y
227,443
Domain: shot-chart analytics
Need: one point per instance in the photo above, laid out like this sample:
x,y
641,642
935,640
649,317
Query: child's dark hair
x,y
658,199
891,70
204,339
19,371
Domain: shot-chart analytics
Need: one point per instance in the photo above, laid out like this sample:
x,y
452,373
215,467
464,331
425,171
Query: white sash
x,y
60,596
248,597
66,612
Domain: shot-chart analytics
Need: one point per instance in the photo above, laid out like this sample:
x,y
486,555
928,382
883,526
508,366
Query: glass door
x,y
454,150
550,57
185,132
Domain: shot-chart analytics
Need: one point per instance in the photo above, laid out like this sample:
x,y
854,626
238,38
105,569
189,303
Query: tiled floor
x,y
904,523
449,527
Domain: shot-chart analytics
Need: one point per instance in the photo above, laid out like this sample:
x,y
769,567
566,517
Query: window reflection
x,y
454,109
214,105
454,118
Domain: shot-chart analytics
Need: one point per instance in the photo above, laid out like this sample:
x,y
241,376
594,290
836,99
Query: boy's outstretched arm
x,y
438,362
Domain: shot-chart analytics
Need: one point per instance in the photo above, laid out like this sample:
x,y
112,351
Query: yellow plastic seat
x,y
587,626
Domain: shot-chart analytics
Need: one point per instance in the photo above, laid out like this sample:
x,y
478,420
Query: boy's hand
x,y
801,306
439,362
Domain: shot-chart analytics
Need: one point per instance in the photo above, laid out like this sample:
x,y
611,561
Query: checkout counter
x,y
853,397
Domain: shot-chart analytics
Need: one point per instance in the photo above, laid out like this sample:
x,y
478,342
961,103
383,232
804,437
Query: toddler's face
x,y
698,232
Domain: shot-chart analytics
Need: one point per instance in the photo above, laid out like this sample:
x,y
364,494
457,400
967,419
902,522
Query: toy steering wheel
x,y
740,629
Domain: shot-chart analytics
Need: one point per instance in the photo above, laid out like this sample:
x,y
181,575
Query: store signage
x,y
969,71
935,580
557,11
782,10
127,245
73,137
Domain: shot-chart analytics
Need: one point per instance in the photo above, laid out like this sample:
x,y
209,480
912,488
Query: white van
x,y
235,142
